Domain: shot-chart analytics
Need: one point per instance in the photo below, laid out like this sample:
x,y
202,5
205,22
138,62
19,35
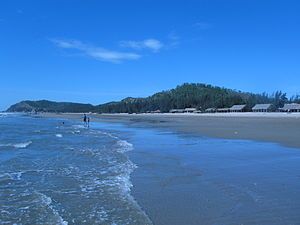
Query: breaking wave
x,y
17,145
46,202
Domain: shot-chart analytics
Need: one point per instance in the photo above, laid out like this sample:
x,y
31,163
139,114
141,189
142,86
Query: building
x,y
156,111
237,108
210,110
293,107
262,108
223,110
176,111
190,110
198,111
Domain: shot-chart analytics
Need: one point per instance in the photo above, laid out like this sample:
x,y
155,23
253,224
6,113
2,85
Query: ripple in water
x,y
82,179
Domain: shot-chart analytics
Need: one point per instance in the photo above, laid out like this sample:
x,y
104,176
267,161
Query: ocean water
x,y
114,174
55,173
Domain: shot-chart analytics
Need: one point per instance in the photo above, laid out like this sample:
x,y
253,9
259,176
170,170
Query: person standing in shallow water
x,y
88,122
84,119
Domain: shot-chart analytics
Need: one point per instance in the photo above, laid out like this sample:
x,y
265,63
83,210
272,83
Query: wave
x,y
11,176
3,115
18,145
47,201
108,134
59,135
124,146
78,126
22,145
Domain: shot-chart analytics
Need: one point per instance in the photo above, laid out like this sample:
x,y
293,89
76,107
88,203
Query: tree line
x,y
188,95
200,96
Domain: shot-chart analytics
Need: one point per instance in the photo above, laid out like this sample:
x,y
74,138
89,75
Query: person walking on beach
x,y
84,119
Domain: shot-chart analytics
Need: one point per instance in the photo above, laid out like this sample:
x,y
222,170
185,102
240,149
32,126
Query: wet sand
x,y
267,127
186,177
191,180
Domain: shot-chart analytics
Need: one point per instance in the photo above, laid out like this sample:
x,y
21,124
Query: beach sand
x,y
279,128
191,170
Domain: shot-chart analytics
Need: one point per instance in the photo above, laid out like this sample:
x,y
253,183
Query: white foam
x,y
22,145
75,132
78,126
46,200
124,146
59,135
16,175
18,145
108,134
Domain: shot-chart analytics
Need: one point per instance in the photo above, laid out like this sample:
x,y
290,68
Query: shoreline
x,y
225,182
281,128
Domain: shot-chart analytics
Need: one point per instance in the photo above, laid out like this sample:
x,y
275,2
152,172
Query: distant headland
x,y
194,97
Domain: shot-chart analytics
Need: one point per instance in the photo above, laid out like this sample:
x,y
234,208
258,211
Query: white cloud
x,y
96,52
152,44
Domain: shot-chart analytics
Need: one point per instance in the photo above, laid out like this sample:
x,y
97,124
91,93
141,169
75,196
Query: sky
x,y
94,51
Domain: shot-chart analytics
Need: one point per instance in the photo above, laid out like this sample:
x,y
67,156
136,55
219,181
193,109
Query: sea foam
x,y
47,201
124,146
17,145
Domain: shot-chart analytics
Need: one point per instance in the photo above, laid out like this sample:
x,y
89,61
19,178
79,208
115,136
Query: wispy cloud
x,y
173,39
151,44
97,53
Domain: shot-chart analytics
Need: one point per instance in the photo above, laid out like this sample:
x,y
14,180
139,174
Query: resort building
x,y
293,107
262,108
190,110
223,110
210,110
198,111
237,108
176,111
156,111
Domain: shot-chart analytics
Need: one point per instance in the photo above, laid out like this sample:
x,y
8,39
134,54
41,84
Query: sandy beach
x,y
192,170
210,168
279,128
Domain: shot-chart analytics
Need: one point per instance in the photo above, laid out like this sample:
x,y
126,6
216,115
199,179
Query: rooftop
x,y
291,106
237,107
261,106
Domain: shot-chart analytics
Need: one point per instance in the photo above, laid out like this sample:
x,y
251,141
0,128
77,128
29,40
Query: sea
x,y
55,171
58,171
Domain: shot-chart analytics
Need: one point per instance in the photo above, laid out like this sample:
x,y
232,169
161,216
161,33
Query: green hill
x,y
199,96
50,106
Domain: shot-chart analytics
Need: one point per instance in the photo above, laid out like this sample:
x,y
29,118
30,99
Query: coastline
x,y
281,128
192,178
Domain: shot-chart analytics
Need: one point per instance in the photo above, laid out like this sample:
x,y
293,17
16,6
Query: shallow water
x,y
198,180
54,173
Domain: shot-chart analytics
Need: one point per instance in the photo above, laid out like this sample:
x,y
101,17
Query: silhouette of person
x,y
84,119
88,121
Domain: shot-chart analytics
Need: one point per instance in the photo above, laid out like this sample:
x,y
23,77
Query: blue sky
x,y
98,51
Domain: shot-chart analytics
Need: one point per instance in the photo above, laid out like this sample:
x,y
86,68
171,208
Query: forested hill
x,y
199,96
50,106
